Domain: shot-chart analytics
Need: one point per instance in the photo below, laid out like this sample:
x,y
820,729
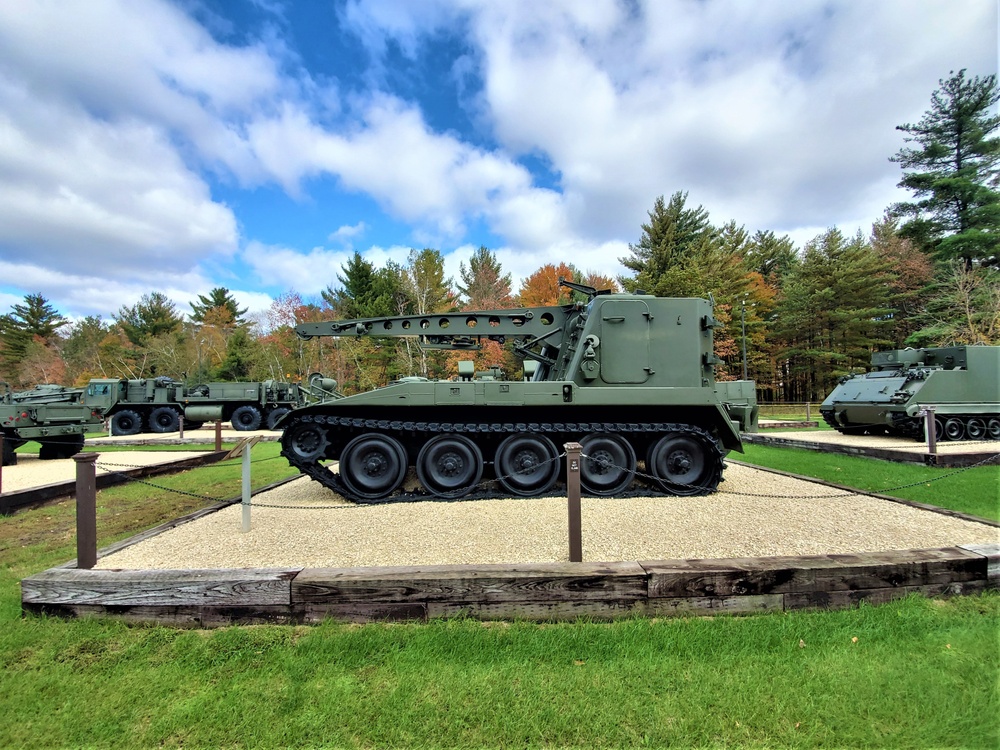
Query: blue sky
x,y
179,146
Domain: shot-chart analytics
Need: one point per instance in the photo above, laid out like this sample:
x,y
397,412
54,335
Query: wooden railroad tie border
x,y
550,591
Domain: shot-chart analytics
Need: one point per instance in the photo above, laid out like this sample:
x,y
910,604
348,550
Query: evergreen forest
x,y
927,274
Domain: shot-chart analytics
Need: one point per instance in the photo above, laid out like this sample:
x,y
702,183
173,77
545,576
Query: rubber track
x,y
316,471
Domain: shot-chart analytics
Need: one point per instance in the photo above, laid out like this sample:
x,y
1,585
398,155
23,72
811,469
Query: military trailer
x,y
961,383
629,376
157,404
54,417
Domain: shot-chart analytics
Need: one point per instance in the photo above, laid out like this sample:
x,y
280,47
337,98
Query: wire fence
x,y
481,490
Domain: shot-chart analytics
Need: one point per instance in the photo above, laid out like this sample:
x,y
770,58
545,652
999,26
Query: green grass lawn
x,y
975,491
915,673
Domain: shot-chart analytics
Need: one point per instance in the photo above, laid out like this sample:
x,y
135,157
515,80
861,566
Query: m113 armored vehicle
x,y
629,376
962,383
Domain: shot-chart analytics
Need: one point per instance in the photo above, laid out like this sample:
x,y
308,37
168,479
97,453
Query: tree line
x,y
927,274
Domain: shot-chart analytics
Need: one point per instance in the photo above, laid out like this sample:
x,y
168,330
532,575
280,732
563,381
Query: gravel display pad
x,y
887,442
755,514
32,472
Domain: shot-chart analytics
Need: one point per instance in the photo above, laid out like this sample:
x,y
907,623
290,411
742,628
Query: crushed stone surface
x,y
755,514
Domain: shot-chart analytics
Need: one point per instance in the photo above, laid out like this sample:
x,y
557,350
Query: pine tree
x,y
219,297
151,316
953,171
35,318
672,232
484,285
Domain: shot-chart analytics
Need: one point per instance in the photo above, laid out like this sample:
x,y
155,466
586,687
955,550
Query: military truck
x,y
55,417
962,383
156,404
629,376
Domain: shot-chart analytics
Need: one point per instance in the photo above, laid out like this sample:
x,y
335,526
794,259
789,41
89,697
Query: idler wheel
x,y
683,465
306,441
449,465
373,466
608,465
527,464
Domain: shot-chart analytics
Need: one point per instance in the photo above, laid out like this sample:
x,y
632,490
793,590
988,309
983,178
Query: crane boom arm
x,y
459,330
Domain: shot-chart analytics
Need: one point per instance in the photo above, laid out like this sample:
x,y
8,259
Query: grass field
x,y
915,673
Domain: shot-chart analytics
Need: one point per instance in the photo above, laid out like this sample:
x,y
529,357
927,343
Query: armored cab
x,y
962,383
53,416
629,376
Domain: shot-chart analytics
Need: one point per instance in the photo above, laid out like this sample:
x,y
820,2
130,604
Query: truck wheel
x,y
275,415
126,422
9,456
63,447
246,418
164,419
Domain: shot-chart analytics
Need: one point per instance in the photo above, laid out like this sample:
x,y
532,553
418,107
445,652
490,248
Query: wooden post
x,y
1,462
218,435
180,427
808,411
573,501
930,429
86,510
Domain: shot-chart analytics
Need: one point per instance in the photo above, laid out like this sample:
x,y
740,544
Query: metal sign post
x,y
930,429
243,449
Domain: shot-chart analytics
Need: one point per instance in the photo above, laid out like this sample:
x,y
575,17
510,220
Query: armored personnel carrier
x,y
629,376
53,416
962,383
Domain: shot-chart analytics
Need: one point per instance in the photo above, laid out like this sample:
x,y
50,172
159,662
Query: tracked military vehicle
x,y
629,376
53,416
962,383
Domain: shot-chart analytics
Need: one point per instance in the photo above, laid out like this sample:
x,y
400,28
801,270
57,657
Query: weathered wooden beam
x,y
472,583
163,588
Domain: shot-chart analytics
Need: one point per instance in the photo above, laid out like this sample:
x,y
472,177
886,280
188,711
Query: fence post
x,y
930,429
1,462
180,427
808,411
218,435
246,486
86,510
573,501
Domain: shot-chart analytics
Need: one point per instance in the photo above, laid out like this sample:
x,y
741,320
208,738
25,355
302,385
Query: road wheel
x,y
993,429
608,465
373,466
164,419
527,464
975,428
449,465
954,429
275,415
126,422
246,418
684,464
61,447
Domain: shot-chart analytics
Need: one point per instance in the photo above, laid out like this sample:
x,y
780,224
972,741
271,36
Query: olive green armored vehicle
x,y
53,416
961,383
629,376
